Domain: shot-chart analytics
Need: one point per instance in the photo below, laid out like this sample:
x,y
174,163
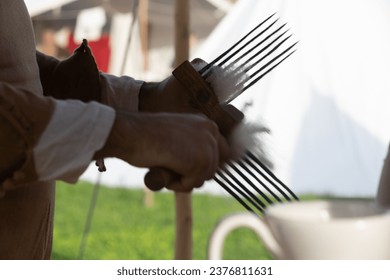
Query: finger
x,y
18,178
187,183
158,178
198,61
211,151
198,64
154,181
178,187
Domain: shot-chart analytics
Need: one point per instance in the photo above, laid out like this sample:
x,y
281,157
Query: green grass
x,y
124,228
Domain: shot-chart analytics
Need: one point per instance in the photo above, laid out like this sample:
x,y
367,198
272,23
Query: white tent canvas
x,y
328,104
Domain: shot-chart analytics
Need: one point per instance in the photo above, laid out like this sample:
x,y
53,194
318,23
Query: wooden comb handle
x,y
203,98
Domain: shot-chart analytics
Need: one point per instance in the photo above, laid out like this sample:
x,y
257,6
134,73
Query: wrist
x,y
114,142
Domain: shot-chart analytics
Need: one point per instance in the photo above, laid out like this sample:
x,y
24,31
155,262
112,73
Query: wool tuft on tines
x,y
246,136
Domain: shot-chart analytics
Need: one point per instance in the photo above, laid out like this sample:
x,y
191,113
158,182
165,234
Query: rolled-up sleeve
x,y
75,132
120,92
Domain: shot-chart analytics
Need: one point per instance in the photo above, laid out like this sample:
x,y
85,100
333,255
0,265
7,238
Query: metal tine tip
x,y
277,184
208,66
252,75
266,72
243,69
258,169
250,63
241,196
237,67
260,73
235,62
248,50
243,48
232,183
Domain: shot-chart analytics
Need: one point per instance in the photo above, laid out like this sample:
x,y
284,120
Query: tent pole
x,y
144,28
183,201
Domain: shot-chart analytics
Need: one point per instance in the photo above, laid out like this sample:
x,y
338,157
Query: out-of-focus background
x,y
327,105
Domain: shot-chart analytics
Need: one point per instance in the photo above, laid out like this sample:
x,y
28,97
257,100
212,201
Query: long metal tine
x,y
254,47
239,191
265,73
232,193
243,166
259,77
248,65
243,191
273,59
267,178
251,156
237,68
249,181
251,59
247,191
242,47
208,66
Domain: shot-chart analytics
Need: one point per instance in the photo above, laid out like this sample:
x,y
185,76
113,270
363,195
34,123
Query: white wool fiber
x,y
227,82
247,136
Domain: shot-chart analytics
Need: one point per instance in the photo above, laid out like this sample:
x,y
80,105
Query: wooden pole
x,y
182,23
144,30
183,201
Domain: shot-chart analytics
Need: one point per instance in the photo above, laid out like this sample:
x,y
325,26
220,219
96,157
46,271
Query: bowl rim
x,y
282,211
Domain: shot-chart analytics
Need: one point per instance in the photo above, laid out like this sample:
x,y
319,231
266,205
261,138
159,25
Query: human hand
x,y
188,145
183,92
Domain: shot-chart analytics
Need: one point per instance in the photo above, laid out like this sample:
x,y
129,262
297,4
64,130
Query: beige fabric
x,y
26,215
36,146
27,222
21,130
17,48
120,92
86,126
